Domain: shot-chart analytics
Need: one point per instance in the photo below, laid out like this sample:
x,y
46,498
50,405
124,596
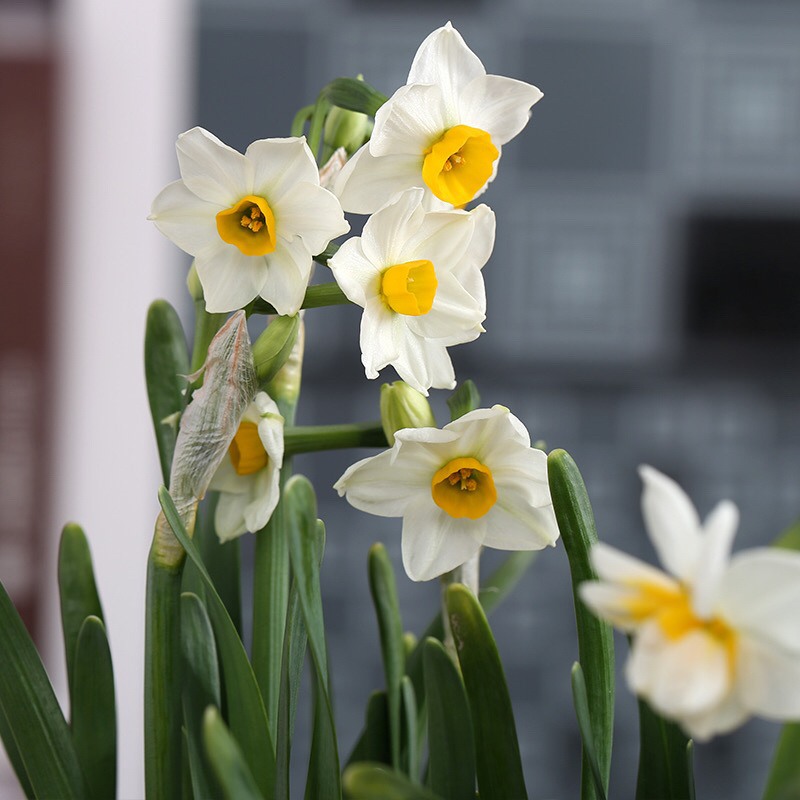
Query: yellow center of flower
x,y
409,288
246,451
250,225
464,487
458,165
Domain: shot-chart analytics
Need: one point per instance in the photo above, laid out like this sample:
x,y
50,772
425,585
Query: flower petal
x,y
434,542
186,219
229,515
614,566
672,523
500,106
356,275
230,279
212,170
611,602
422,363
279,164
468,269
442,238
287,275
227,479
379,346
718,532
409,122
455,317
388,230
514,523
270,427
722,718
264,498
768,678
312,213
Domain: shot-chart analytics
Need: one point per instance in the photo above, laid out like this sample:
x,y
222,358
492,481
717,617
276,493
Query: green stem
x,y
322,294
300,119
310,438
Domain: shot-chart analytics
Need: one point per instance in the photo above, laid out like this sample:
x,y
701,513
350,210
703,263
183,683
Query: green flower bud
x,y
193,284
272,349
348,129
403,407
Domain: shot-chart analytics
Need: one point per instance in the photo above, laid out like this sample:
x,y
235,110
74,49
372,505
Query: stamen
x,y
255,213
470,484
465,473
256,225
454,478
245,221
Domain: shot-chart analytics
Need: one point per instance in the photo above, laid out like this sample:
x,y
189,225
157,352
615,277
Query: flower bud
x,y
272,349
193,284
403,407
348,129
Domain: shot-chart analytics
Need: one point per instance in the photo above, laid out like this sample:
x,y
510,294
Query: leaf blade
x,y
227,760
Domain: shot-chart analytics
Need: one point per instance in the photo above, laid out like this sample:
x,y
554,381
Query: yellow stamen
x,y
409,288
459,164
464,487
250,225
246,451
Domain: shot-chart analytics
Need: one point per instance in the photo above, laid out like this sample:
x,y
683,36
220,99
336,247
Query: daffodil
x,y
475,483
442,131
417,275
253,222
716,638
248,478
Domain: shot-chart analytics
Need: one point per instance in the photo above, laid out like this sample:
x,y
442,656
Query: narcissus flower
x,y
718,638
253,222
417,275
475,483
442,131
247,478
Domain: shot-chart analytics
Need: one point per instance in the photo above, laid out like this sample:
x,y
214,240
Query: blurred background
x,y
643,298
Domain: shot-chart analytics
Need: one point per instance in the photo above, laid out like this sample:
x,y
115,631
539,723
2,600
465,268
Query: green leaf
x,y
77,591
498,762
373,744
353,95
166,365
690,769
663,767
784,775
367,781
246,714
226,758
390,625
274,345
201,689
33,716
451,771
410,730
306,544
595,637
463,400
14,756
581,702
94,717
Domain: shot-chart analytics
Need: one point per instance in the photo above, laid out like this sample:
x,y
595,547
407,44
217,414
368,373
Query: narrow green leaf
x,y
354,95
32,712
463,400
94,715
451,770
390,625
595,637
14,756
498,762
581,702
690,769
373,744
300,119
367,781
226,758
410,730
201,689
248,720
77,591
784,775
663,772
166,365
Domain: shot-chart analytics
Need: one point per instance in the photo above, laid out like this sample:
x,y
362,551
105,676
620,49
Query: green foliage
x,y
227,760
377,782
583,714
663,765
463,400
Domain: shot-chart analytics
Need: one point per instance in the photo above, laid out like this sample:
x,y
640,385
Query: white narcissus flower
x,y
718,638
248,477
442,131
475,483
417,275
253,222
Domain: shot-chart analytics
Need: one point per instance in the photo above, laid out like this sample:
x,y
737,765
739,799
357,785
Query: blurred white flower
x,y
717,639
248,478
417,275
253,222
442,131
475,483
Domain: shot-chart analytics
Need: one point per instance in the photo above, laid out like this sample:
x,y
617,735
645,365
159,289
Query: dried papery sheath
x,y
332,167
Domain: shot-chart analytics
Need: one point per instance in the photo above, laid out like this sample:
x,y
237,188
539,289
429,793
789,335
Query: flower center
x,y
250,225
409,288
246,451
458,165
464,487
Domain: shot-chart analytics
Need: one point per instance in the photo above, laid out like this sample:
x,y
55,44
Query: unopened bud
x,y
404,407
348,129
272,349
193,284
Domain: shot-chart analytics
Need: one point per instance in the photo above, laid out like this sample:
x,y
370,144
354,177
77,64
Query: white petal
x,y
760,593
229,515
522,471
356,275
264,498
614,566
442,238
611,602
366,183
718,532
445,60
311,212
380,486
230,279
514,523
212,170
672,523
434,543
409,122
497,438
500,106
387,232
722,718
270,428
227,479
379,346
186,219
768,678
678,677
455,317
468,269
287,275
279,164
422,363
